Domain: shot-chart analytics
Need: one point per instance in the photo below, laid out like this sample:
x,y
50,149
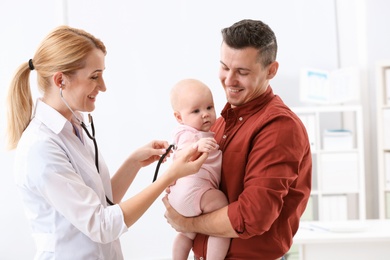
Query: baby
x,y
193,107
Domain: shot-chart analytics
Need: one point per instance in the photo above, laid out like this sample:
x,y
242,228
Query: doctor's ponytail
x,y
19,105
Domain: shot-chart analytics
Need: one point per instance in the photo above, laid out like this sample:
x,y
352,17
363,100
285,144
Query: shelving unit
x,y
336,138
383,137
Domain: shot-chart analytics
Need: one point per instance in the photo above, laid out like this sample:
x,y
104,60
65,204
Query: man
x,y
266,170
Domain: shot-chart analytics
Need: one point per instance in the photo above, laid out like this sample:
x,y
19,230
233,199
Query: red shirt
x,y
266,176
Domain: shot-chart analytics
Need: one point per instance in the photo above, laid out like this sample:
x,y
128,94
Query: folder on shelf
x,y
387,169
387,204
387,89
386,128
309,214
310,124
335,207
340,172
337,139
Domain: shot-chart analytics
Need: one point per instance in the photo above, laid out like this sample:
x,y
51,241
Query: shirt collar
x,y
49,116
250,107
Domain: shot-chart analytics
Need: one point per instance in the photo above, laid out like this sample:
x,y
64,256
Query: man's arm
x,y
215,223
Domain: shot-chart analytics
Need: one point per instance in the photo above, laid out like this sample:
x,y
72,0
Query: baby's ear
x,y
178,117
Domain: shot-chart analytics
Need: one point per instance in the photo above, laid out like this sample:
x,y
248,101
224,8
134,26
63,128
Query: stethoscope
x,y
170,147
92,137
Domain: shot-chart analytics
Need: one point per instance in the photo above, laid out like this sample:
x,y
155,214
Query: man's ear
x,y
58,79
272,69
178,117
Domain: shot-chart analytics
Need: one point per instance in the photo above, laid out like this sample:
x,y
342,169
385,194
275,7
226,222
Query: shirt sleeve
x,y
273,159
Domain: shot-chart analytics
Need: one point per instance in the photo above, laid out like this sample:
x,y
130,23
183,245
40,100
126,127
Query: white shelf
x,y
338,185
383,136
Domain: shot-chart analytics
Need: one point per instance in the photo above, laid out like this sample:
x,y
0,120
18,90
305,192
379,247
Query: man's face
x,y
242,75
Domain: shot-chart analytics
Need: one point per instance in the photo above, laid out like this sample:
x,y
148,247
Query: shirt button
x,y
224,136
201,258
240,118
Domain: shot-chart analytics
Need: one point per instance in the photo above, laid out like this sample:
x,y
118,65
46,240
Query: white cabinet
x,y
383,137
336,138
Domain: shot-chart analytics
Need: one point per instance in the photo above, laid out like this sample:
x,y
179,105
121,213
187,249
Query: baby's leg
x,y
217,247
212,200
182,246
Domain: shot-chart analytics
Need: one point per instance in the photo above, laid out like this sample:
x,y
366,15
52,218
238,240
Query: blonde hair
x,y
64,49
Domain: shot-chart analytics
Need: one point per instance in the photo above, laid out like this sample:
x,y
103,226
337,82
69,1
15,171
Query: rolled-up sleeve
x,y
267,171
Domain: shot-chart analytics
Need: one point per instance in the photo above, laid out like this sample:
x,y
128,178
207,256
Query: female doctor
x,y
74,208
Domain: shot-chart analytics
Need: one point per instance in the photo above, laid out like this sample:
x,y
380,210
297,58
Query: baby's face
x,y
197,110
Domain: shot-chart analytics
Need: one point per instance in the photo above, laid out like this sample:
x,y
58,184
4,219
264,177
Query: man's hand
x,y
177,221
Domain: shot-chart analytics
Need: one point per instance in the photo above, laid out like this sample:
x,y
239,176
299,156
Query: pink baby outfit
x,y
186,194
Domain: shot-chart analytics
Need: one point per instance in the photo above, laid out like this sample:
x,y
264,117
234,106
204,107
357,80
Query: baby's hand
x,y
207,144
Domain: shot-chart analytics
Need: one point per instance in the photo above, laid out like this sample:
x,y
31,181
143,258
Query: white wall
x,y
152,44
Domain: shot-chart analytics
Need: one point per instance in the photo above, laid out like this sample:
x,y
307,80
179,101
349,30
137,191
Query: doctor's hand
x,y
149,153
189,162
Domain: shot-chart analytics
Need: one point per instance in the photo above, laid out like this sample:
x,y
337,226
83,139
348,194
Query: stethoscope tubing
x,y
92,137
161,160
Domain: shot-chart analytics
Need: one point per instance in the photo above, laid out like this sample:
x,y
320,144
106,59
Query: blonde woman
x,y
75,209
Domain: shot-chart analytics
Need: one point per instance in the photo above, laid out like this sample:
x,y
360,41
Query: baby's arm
x,y
205,145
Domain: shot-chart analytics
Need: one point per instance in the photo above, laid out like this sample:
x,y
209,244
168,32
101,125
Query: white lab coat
x,y
62,192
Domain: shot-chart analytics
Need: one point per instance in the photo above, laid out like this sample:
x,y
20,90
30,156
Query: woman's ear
x,y
272,69
58,79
